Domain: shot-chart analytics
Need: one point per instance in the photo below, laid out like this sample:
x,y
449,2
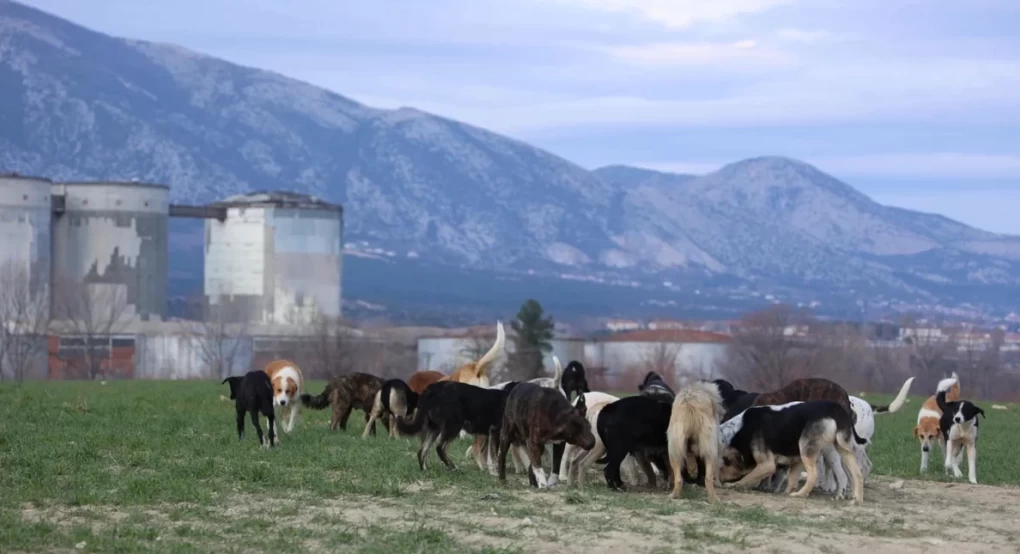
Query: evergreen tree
x,y
532,334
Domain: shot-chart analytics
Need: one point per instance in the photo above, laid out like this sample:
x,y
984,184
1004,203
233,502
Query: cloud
x,y
802,36
696,53
679,13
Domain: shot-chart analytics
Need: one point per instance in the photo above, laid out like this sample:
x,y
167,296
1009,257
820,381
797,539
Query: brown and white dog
x,y
476,373
927,430
287,387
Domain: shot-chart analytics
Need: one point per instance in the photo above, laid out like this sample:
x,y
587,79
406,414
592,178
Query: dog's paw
x,y
972,480
554,480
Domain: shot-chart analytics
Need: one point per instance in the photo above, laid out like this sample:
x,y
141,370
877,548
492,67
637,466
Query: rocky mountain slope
x,y
75,103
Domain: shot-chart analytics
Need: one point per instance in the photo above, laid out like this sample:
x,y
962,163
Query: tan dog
x,y
475,373
694,430
287,387
928,431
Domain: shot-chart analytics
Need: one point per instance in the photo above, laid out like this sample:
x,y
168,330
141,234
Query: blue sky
x,y
916,103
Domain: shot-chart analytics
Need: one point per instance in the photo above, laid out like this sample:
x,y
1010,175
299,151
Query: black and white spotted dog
x,y
959,425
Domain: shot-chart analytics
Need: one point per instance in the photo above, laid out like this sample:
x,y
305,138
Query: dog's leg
x,y
557,460
444,441
291,416
793,477
614,458
953,460
428,437
582,460
849,462
972,462
833,463
478,448
519,454
711,479
240,424
345,413
565,462
766,467
491,450
274,439
646,468
810,464
535,451
377,408
504,448
676,461
254,413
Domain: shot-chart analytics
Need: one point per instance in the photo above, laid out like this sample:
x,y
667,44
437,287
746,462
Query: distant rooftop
x,y
278,199
16,175
668,335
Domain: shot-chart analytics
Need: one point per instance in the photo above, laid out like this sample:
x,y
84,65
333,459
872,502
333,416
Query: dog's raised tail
x,y
945,386
497,348
897,402
317,402
558,378
235,382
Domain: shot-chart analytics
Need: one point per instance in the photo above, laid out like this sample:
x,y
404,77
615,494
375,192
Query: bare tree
x,y
24,319
932,348
217,336
662,359
333,348
765,354
981,362
92,313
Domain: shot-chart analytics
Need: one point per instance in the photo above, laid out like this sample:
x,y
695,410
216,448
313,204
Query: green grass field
x,y
156,466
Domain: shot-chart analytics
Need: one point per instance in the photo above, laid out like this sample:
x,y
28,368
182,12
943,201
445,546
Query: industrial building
x,y
26,217
273,259
110,242
277,257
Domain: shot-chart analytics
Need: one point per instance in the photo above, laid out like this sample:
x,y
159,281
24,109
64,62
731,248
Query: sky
x,y
916,103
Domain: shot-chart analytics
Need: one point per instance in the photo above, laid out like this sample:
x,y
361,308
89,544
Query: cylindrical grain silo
x,y
276,258
25,218
112,237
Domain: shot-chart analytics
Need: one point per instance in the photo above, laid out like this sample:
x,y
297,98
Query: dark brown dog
x,y
536,415
421,379
801,390
354,390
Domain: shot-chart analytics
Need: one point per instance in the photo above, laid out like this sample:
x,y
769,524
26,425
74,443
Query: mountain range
x,y
424,191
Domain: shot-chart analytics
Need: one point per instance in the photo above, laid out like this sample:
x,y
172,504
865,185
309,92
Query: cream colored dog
x,y
694,429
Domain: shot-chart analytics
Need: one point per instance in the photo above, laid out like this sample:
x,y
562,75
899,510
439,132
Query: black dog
x,y
535,416
959,426
574,380
447,407
734,399
253,393
653,386
635,425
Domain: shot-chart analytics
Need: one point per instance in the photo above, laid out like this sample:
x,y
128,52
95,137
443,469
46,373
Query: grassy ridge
x,y
141,465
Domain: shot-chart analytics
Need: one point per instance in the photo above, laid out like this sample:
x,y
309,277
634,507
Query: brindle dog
x,y
343,394
536,415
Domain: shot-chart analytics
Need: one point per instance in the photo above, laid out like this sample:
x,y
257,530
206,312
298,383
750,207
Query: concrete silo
x,y
276,258
112,236
26,212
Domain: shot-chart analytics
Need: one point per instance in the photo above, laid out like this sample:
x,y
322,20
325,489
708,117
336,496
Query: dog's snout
x,y
924,449
283,401
958,419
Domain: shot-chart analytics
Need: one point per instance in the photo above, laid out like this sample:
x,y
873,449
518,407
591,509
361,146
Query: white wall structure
x,y
113,235
25,229
276,258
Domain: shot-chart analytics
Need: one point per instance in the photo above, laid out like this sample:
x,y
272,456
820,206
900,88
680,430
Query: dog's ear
x,y
581,406
917,432
979,410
